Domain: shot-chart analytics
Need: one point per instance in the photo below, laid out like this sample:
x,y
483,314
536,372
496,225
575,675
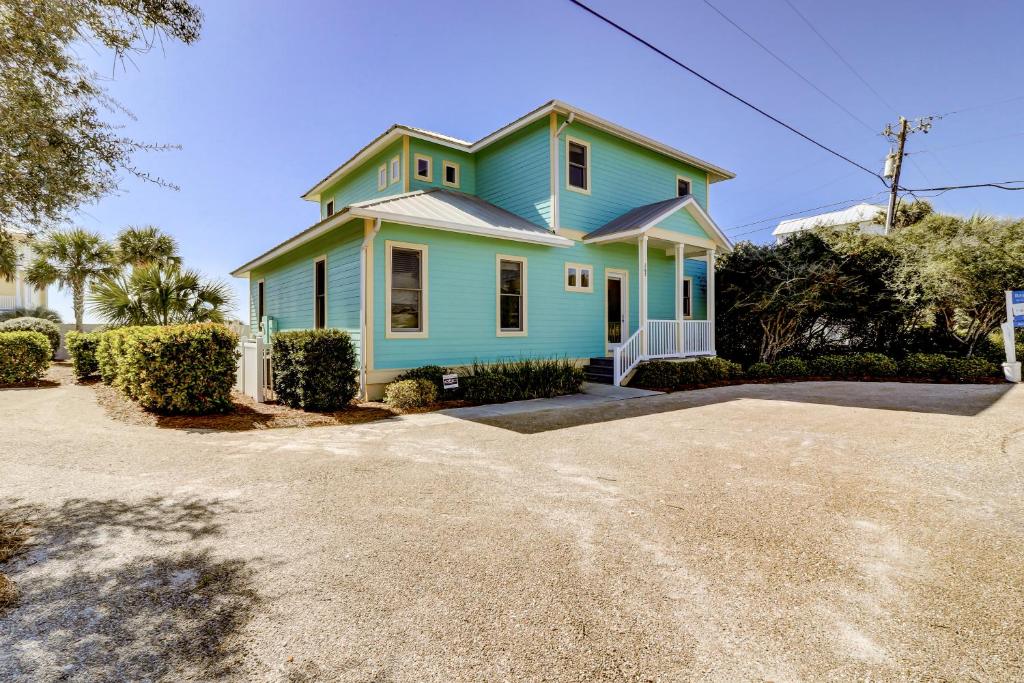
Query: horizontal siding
x,y
438,155
361,184
515,173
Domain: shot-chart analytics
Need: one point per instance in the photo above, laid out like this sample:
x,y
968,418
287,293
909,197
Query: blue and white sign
x,y
1017,307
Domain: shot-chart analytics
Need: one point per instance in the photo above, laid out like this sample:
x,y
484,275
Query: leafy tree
x,y
908,214
71,259
159,293
8,255
140,246
58,150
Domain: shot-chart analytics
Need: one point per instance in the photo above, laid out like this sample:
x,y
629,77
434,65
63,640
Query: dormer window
x,y
682,187
577,159
330,208
424,168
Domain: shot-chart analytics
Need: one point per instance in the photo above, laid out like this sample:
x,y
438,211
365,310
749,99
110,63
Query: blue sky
x,y
277,94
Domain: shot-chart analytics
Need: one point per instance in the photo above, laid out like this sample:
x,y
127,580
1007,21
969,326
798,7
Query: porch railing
x,y
7,303
665,339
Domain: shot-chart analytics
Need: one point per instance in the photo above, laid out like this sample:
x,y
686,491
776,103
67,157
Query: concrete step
x,y
602,362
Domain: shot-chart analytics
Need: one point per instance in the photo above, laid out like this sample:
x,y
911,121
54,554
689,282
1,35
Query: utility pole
x,y
895,161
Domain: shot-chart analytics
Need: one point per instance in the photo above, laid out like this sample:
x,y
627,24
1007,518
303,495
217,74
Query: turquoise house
x,y
560,234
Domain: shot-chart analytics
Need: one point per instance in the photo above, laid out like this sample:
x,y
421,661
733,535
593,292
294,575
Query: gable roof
x,y
641,219
434,208
396,131
859,213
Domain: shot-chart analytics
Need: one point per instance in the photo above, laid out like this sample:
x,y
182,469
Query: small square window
x,y
382,177
424,168
396,169
683,187
451,174
330,208
579,277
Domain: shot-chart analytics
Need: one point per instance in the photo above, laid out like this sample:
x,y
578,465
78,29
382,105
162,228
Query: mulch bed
x,y
13,536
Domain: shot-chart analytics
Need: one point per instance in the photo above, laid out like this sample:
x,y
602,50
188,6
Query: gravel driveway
x,y
765,532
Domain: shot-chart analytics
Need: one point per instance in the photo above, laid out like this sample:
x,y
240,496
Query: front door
x,y
616,329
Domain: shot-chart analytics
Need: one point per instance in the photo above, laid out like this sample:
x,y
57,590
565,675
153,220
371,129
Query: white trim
x,y
320,259
501,233
689,185
498,258
382,175
396,169
693,207
445,165
569,140
623,275
580,267
429,177
423,332
366,303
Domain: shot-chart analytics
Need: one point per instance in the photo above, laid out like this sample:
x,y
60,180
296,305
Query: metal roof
x,y
642,218
859,213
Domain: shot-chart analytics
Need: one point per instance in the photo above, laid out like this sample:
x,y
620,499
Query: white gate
x,y
254,376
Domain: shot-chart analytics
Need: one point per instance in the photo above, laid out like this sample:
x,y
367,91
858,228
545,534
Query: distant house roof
x,y
854,215
642,218
396,131
434,208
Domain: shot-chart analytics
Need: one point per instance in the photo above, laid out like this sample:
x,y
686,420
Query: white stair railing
x,y
627,356
663,341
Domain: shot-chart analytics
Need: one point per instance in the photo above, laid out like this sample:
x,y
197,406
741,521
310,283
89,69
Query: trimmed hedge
x,y
410,393
759,371
661,374
790,367
172,369
47,328
925,365
508,380
971,369
315,369
82,349
24,356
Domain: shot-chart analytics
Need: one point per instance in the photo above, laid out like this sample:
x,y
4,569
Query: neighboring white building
x,y
861,216
17,293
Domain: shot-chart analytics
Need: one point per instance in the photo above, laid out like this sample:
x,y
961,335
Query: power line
x,y
841,58
797,213
982,106
792,69
720,88
999,185
968,144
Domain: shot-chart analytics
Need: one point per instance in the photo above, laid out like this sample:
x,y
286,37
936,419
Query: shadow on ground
x,y
84,613
966,400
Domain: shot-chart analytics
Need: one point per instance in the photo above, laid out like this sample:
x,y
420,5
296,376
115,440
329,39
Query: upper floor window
x,y
396,169
683,187
451,174
320,293
330,208
511,296
382,177
424,168
406,289
577,155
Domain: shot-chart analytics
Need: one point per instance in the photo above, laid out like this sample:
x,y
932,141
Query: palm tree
x,y
8,255
140,246
72,259
159,294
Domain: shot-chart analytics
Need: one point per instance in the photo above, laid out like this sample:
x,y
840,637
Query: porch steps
x,y
600,371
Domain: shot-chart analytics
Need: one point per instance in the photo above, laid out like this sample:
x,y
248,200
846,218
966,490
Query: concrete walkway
x,y
593,395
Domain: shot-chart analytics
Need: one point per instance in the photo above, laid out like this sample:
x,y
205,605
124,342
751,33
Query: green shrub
x,y
410,393
661,374
24,356
832,366
521,380
930,365
692,373
82,349
47,328
972,369
433,374
492,388
790,367
657,374
873,365
315,369
171,369
719,369
760,371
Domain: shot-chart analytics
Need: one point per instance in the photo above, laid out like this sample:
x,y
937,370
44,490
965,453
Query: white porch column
x,y
642,242
680,310
711,297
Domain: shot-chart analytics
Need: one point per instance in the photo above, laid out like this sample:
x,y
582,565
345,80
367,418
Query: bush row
x,y
315,369
24,356
664,374
171,369
509,380
47,328
82,350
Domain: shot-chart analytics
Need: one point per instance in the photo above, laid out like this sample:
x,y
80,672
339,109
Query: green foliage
x,y
24,356
71,259
315,369
930,365
662,374
410,393
718,368
972,369
657,374
142,246
82,348
8,255
492,388
433,374
48,328
59,152
760,371
172,369
37,312
512,380
873,365
907,214
159,294
790,367
831,365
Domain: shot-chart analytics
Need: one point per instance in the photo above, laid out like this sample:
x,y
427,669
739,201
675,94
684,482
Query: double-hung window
x,y
320,293
683,186
406,289
577,161
511,302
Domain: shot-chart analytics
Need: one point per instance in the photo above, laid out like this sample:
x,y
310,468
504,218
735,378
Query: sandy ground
x,y
817,531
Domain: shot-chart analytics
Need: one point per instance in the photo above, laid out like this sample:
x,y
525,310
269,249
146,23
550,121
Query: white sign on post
x,y
1014,319
450,381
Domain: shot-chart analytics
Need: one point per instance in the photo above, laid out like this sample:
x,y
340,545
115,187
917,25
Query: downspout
x,y
367,241
555,209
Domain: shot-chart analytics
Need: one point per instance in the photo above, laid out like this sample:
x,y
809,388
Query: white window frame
x,y
689,185
429,177
445,165
320,259
590,162
578,287
396,169
684,300
497,297
423,332
382,177
329,208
